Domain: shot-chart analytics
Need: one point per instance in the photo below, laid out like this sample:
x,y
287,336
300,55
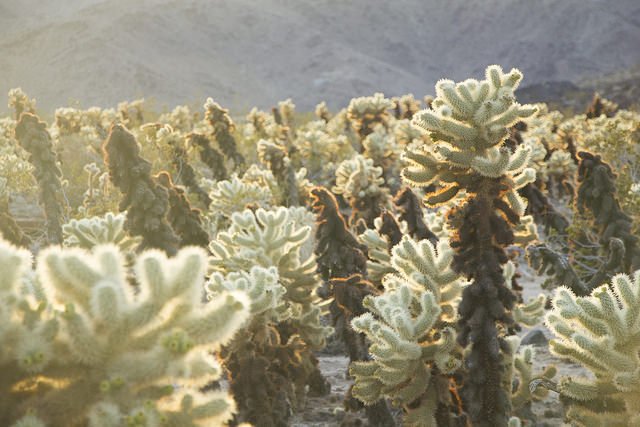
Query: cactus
x,y
87,233
410,209
600,106
223,128
597,192
339,252
20,102
342,262
211,157
411,328
184,172
81,347
601,332
276,157
145,201
405,106
185,220
468,123
367,111
274,239
32,135
361,184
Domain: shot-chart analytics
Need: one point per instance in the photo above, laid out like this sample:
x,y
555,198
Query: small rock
x,y
535,337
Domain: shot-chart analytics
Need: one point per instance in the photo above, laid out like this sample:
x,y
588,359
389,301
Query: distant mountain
x,y
244,53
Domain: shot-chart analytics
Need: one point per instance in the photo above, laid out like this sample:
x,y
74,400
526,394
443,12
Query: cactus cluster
x,y
82,347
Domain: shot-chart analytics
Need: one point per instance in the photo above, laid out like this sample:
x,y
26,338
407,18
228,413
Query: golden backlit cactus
x,y
81,347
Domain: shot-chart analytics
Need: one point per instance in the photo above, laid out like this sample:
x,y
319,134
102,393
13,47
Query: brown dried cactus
x,y
33,136
184,219
146,202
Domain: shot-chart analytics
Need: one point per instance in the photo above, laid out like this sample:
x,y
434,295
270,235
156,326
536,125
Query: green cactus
x,y
81,347
602,333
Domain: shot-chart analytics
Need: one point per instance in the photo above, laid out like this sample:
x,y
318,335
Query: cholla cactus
x,y
320,152
87,233
379,249
223,128
597,192
411,330
9,228
339,252
276,157
601,333
520,376
20,102
367,111
32,135
272,238
468,123
381,147
278,351
208,155
185,220
80,347
361,184
180,118
405,106
235,194
600,106
131,113
411,213
145,201
322,112
185,173
99,196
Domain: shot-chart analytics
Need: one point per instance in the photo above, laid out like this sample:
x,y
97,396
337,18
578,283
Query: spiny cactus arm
x,y
208,155
522,370
20,102
367,111
361,183
261,285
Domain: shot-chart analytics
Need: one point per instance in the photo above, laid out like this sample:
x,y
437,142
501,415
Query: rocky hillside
x,y
245,53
